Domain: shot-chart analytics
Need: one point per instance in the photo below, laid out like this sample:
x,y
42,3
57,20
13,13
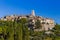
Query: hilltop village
x,y
46,23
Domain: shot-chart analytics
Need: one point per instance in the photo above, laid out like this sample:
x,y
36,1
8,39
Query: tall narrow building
x,y
33,13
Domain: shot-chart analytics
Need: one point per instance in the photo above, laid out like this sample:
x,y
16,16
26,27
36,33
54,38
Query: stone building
x,y
46,23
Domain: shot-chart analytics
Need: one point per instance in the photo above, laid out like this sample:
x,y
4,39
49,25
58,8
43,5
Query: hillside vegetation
x,y
19,30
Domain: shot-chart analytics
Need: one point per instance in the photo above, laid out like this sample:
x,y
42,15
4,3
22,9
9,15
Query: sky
x,y
44,8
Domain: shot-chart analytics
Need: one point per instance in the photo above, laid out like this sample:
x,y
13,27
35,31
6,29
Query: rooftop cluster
x,y
46,23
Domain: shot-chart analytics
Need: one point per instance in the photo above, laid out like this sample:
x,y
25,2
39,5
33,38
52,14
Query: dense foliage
x,y
18,30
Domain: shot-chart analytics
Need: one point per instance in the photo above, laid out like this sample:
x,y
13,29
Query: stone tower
x,y
33,13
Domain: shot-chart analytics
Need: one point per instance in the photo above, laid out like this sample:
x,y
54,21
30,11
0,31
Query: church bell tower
x,y
33,13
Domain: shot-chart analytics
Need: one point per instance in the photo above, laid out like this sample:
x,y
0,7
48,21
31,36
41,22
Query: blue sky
x,y
45,8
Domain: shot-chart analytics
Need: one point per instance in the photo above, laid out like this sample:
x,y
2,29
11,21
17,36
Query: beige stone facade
x,y
45,22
